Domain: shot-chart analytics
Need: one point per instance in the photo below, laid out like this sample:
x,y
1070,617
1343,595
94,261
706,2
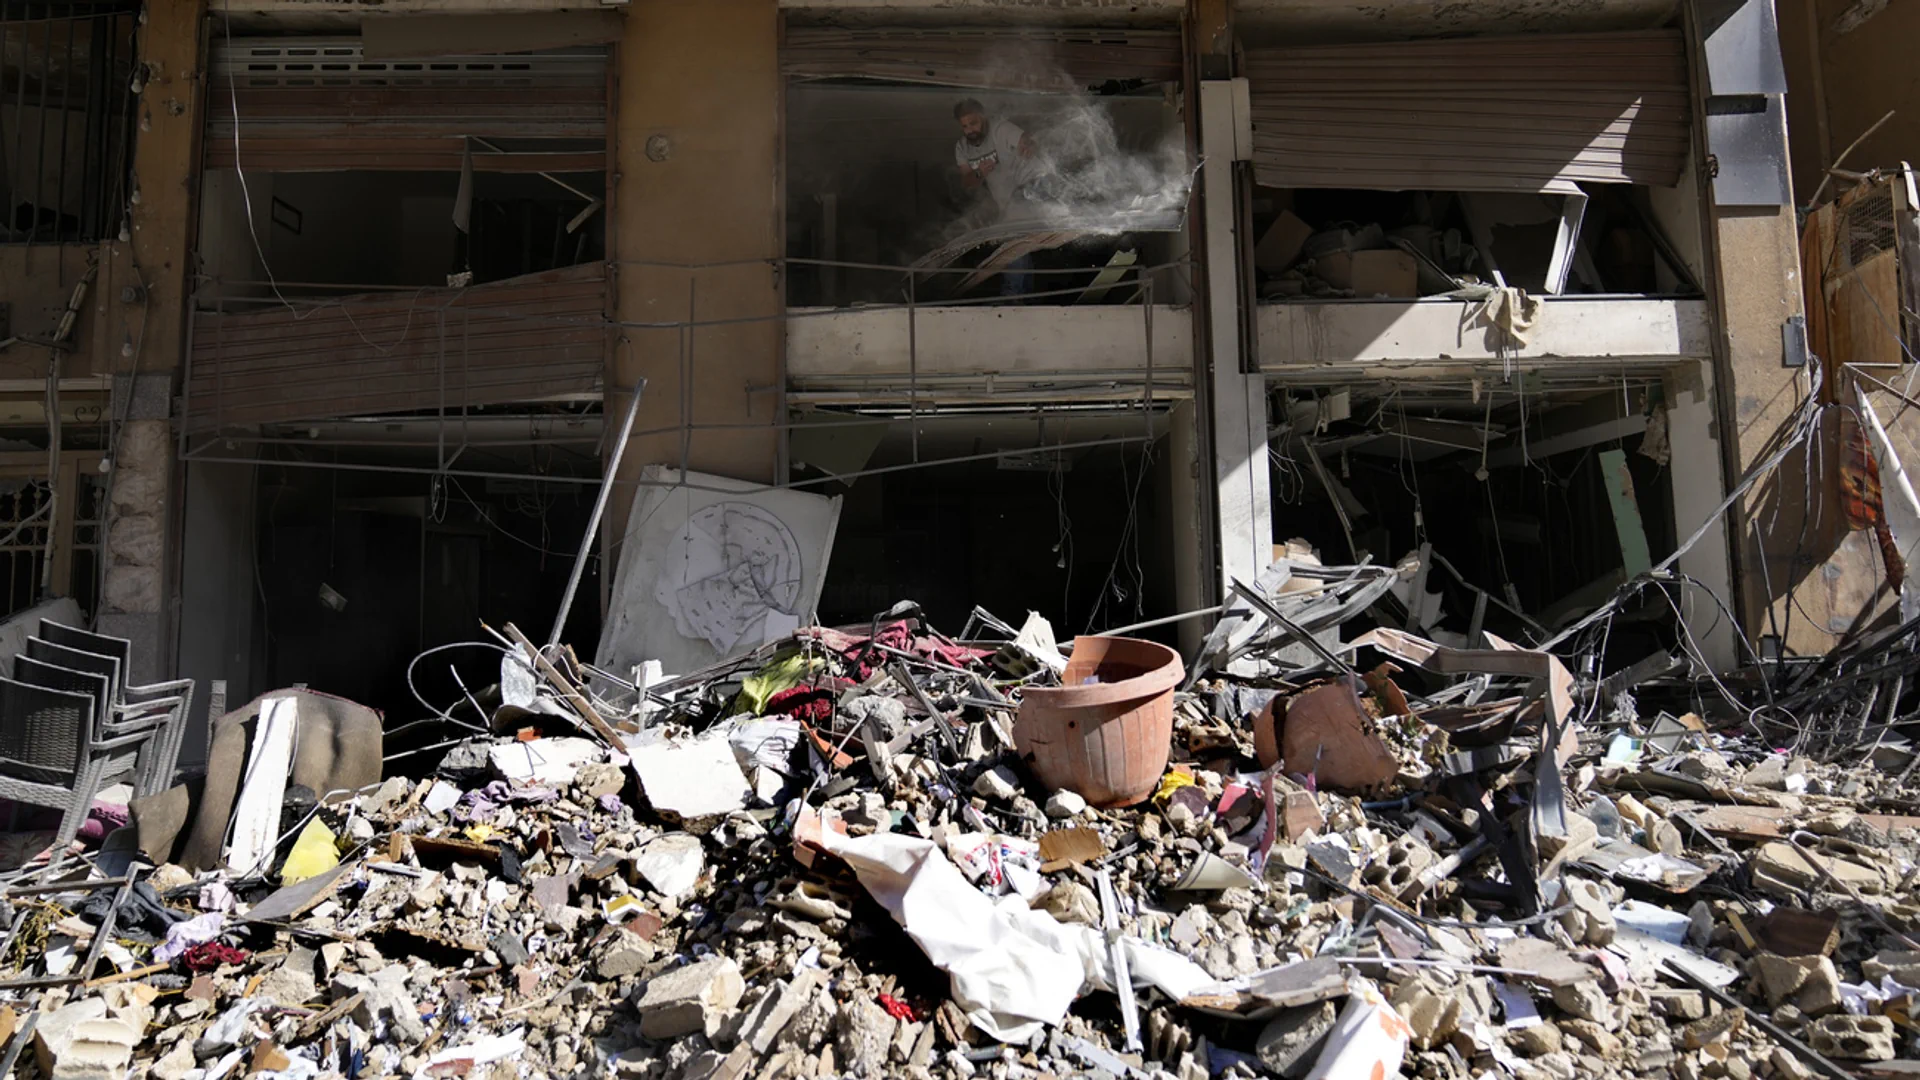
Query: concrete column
x,y
1191,590
1692,439
1759,286
144,293
1242,502
217,589
1755,283
697,159
133,586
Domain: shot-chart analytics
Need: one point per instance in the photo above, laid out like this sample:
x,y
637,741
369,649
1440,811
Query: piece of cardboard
x,y
1335,268
1385,273
1062,848
1280,245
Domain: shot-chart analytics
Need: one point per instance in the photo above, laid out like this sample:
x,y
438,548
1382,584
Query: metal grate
x,y
324,62
1866,227
24,551
89,539
24,525
66,118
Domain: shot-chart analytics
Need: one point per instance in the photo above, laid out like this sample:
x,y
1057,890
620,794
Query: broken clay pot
x,y
1325,732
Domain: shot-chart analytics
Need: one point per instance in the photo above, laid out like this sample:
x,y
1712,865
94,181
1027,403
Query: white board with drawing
x,y
710,567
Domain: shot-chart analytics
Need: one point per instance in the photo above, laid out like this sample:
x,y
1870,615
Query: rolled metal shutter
x,y
319,105
523,339
1474,114
1038,59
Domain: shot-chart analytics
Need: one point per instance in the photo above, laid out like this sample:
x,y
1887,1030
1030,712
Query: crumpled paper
x,y
1014,969
999,864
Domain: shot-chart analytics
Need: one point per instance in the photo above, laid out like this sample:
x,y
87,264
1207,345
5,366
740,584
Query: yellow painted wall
x,y
699,81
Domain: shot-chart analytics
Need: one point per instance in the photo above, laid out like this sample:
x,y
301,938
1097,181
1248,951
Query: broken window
x,y
382,235
1513,507
328,167
1407,169
68,89
363,561
49,547
1360,243
1062,511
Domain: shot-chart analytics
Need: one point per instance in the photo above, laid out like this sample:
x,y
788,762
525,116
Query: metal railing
x,y
1147,387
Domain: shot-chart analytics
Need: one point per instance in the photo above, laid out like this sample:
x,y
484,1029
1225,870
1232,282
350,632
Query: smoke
x,y
1107,163
1089,174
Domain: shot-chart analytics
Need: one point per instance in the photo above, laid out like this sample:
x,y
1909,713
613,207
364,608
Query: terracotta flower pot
x,y
1108,740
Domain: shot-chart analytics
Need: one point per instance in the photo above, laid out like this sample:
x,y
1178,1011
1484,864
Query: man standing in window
x,y
998,154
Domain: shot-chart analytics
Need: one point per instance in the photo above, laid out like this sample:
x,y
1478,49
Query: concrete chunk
x,y
997,783
1433,1013
1861,1038
1291,1041
95,1050
1583,1001
1809,983
774,1011
695,998
691,781
863,1033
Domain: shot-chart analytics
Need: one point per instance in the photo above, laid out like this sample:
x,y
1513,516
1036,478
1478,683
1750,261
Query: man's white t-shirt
x,y
1011,170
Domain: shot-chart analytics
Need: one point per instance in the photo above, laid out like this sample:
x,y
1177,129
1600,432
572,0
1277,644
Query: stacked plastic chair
x,y
71,723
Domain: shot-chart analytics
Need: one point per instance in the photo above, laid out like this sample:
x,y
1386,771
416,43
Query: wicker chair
x,y
129,698
138,763
53,754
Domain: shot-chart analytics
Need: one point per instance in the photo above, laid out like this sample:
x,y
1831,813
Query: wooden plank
x,y
1863,303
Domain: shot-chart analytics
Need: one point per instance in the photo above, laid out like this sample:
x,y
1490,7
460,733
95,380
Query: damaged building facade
x,y
325,319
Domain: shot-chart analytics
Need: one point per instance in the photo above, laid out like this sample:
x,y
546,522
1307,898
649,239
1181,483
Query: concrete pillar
x,y
1692,438
1759,286
133,585
697,158
216,589
1191,588
145,286
1755,285
1243,507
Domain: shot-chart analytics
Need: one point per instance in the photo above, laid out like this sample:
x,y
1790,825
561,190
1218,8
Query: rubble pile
x,y
873,852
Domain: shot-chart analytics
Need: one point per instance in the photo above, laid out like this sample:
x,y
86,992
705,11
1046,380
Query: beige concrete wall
x,y
1443,334
988,340
699,84
1759,284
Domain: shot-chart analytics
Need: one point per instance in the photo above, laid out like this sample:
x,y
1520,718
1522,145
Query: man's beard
x,y
975,139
